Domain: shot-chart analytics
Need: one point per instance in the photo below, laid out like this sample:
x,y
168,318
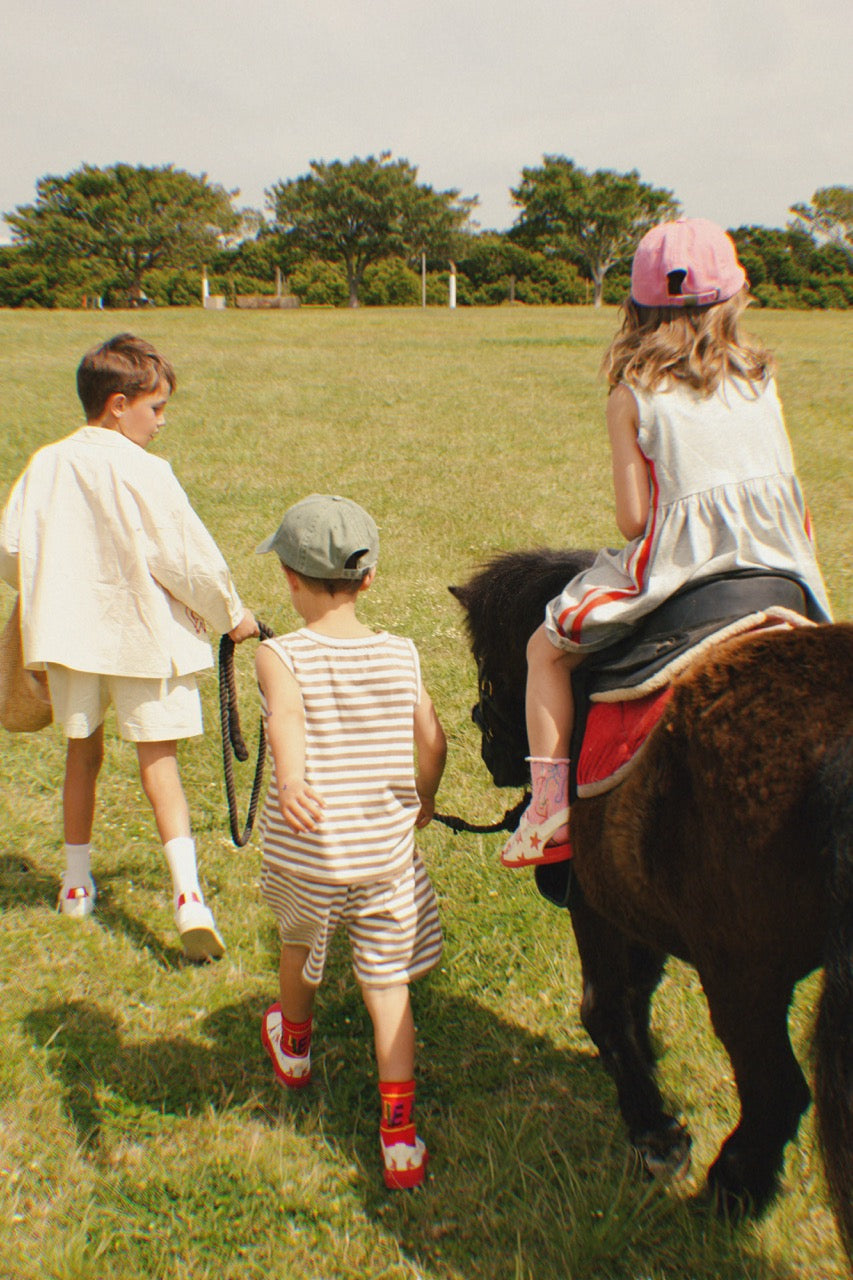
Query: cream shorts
x,y
147,710
392,925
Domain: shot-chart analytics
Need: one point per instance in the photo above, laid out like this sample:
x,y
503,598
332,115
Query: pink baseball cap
x,y
702,257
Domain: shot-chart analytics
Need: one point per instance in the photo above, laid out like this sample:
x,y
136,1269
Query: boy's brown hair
x,y
333,586
124,364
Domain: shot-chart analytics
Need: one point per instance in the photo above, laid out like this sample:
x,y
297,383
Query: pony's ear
x,y
460,594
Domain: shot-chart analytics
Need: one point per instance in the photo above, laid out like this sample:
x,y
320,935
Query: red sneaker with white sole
x,y
404,1155
291,1071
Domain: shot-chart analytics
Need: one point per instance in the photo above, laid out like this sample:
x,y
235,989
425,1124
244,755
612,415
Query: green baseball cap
x,y
325,536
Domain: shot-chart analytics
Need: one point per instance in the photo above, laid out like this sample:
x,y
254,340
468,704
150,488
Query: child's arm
x,y
630,471
10,522
431,746
184,559
300,805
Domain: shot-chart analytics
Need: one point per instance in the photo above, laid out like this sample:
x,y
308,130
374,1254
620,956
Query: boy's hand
x,y
247,626
426,812
300,805
431,746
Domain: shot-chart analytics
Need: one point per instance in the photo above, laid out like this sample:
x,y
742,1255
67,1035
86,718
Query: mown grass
x,y
142,1133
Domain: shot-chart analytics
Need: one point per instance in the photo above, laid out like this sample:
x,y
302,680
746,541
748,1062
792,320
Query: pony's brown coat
x,y
725,846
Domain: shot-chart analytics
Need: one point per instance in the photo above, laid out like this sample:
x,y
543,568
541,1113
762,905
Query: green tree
x,y
319,284
391,283
365,210
828,219
497,269
791,269
122,222
23,283
591,219
771,255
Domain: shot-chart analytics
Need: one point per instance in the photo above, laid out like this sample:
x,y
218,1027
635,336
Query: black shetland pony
x,y
730,845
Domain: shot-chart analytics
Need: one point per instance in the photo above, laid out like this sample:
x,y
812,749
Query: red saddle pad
x,y
615,731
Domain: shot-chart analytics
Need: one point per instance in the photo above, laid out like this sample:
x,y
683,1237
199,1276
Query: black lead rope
x,y
232,739
233,745
508,822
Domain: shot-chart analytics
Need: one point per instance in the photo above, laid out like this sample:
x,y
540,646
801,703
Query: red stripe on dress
x,y
808,525
596,596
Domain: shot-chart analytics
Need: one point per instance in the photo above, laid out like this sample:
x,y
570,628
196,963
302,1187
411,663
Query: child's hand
x,y
300,805
247,626
425,813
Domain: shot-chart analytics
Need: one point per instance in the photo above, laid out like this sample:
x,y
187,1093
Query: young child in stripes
x,y
345,713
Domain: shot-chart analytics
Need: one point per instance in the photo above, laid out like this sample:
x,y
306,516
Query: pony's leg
x,y
645,969
749,1011
619,980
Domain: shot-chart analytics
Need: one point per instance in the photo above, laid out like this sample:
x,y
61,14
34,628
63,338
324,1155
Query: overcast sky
x,y
740,107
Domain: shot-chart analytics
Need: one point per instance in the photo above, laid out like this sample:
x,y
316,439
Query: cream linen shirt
x,y
117,573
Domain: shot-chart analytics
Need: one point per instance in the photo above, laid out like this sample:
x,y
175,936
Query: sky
x,y
741,108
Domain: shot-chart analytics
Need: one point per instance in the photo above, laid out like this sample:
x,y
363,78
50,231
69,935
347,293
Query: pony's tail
x,y
834,1030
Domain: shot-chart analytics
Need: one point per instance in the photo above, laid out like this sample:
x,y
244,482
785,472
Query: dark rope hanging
x,y
508,822
232,740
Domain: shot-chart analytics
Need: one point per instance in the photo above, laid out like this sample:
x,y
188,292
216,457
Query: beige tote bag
x,y
24,698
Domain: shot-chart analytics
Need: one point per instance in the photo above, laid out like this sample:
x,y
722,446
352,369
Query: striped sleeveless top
x,y
359,697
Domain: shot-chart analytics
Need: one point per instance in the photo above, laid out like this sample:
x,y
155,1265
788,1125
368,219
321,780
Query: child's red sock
x,y
295,1037
398,1102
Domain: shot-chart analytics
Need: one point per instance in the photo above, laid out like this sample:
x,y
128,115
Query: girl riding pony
x,y
704,482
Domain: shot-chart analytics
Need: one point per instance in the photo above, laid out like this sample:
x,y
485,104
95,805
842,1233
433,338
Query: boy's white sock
x,y
180,855
78,870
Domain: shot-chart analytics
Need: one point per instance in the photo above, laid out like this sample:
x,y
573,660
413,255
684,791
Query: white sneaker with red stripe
x,y
199,935
78,900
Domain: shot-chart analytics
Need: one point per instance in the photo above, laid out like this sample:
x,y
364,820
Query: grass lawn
x,y
142,1133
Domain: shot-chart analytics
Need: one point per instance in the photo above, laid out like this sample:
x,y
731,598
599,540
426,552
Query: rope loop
x,y
233,743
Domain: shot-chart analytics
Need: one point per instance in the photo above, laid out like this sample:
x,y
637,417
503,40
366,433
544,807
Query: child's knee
x,y
85,754
384,1003
159,772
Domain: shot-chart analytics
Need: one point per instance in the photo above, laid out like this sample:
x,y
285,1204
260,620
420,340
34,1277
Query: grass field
x,y
142,1133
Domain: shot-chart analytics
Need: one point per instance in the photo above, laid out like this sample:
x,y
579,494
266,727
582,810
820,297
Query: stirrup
x,y
528,846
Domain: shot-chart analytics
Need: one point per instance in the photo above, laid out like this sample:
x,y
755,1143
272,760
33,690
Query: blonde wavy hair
x,y
701,346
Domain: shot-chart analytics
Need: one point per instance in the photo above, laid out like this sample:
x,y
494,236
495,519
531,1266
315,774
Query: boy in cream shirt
x,y
117,578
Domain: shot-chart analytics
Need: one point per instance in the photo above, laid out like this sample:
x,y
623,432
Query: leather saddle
x,y
681,623
692,615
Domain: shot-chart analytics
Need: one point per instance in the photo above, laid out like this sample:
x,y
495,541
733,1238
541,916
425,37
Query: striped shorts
x,y
393,925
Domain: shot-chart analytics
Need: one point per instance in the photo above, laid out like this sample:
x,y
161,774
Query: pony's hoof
x,y
737,1191
664,1153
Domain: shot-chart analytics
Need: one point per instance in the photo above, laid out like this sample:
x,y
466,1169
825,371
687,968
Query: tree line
x,y
368,232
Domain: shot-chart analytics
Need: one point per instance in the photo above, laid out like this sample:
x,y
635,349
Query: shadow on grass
x,y
529,1175
168,955
23,885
